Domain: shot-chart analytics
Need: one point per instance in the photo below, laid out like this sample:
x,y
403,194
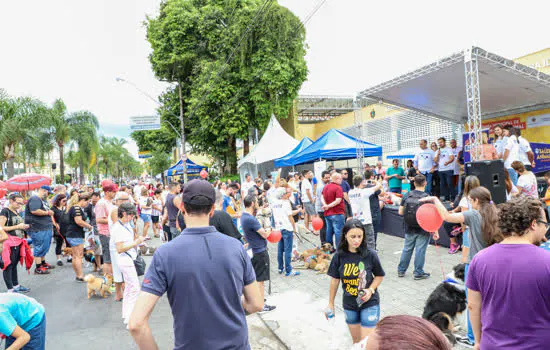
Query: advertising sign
x,y
144,154
542,157
145,123
466,144
514,122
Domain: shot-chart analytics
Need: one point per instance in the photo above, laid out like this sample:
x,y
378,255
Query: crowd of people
x,y
222,275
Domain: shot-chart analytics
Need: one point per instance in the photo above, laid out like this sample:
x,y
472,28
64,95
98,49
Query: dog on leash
x,y
99,286
145,250
264,217
446,305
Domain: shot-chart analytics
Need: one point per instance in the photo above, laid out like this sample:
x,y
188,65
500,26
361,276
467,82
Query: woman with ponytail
x,y
482,219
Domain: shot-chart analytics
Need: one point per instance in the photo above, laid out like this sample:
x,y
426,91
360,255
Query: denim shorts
x,y
145,217
38,337
368,317
75,241
41,241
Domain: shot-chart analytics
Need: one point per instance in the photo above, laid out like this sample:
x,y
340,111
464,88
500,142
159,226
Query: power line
x,y
260,12
300,26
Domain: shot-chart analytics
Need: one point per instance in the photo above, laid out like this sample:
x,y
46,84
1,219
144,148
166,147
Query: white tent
x,y
274,143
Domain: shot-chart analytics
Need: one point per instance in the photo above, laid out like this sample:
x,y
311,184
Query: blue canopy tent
x,y
403,154
334,145
284,161
192,168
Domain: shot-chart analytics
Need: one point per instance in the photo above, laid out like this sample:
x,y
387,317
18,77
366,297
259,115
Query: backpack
x,y
412,204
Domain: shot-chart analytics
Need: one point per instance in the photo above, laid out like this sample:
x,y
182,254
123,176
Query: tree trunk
x,y
9,155
11,168
61,163
81,173
232,156
246,146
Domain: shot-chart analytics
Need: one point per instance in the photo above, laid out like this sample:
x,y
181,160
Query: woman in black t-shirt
x,y
75,230
60,226
361,273
13,224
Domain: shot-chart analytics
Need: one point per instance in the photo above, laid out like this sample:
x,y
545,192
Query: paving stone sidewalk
x,y
299,319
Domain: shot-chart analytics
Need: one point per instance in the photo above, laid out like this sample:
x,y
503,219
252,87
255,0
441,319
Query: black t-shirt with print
x,y
347,268
73,229
12,219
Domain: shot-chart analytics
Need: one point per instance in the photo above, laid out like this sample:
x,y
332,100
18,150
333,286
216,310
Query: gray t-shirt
x,y
204,273
472,218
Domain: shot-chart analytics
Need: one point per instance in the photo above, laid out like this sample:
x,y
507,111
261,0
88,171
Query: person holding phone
x,y
12,223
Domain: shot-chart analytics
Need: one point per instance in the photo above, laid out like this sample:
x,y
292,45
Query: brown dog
x,y
68,251
99,285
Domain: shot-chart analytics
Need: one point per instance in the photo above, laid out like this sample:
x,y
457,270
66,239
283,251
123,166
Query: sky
x,y
74,50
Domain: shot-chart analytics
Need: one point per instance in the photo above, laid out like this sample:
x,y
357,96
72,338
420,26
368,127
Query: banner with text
x,y
466,144
145,123
542,156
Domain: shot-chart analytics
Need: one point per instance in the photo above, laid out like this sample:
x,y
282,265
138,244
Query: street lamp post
x,y
181,134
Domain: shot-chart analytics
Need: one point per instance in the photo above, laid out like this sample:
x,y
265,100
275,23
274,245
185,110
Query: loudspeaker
x,y
491,176
54,165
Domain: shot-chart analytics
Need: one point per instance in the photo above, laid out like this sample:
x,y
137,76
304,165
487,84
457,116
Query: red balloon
x,y
203,174
274,236
3,192
428,218
317,224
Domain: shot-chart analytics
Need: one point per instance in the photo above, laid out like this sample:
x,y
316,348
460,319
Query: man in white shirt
x,y
424,163
456,152
511,152
284,222
526,155
360,206
445,158
247,185
308,198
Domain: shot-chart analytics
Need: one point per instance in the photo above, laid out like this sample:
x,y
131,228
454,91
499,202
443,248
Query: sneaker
x,y
21,290
422,276
59,263
267,308
41,271
112,289
48,266
292,273
454,248
280,272
465,342
69,260
401,274
78,279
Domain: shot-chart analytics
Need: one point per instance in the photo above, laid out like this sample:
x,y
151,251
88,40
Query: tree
x,y
84,135
20,124
64,125
159,162
192,40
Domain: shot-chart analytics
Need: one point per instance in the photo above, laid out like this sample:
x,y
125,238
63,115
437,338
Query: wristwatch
x,y
371,290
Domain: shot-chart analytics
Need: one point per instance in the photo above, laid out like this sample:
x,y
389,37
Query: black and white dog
x,y
446,305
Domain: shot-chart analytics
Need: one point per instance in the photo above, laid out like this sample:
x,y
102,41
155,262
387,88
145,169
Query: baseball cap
x,y
199,192
110,187
47,188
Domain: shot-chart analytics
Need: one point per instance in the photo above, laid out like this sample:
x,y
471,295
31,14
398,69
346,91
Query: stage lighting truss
x,y
473,100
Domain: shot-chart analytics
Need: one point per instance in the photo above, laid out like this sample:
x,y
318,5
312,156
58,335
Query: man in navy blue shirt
x,y
209,280
256,237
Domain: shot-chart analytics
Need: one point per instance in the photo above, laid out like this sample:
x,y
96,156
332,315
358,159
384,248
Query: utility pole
x,y
183,153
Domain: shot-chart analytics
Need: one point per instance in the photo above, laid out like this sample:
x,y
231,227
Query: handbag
x,y
139,264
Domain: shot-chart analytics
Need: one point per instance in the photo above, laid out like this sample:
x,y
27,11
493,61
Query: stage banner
x,y
542,157
466,144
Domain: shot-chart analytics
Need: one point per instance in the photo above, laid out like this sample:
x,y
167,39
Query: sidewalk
x,y
299,318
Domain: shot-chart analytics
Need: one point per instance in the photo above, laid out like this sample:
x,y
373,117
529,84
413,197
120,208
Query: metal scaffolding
x,y
358,115
315,108
473,101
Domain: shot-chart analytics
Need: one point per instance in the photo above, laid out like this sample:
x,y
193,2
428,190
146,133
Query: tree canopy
x,y
228,86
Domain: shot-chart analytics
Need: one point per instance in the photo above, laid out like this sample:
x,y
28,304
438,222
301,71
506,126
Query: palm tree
x,y
20,119
63,125
85,137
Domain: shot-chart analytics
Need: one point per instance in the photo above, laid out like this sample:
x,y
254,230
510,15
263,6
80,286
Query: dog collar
x,y
454,283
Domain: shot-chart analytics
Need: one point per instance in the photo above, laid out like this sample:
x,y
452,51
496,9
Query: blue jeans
x,y
38,337
412,241
446,184
395,190
368,317
376,225
335,224
513,176
429,179
470,331
41,241
285,248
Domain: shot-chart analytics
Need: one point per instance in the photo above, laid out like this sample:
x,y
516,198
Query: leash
x,y
439,258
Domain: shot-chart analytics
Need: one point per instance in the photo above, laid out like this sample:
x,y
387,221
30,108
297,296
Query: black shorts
x,y
260,263
155,219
